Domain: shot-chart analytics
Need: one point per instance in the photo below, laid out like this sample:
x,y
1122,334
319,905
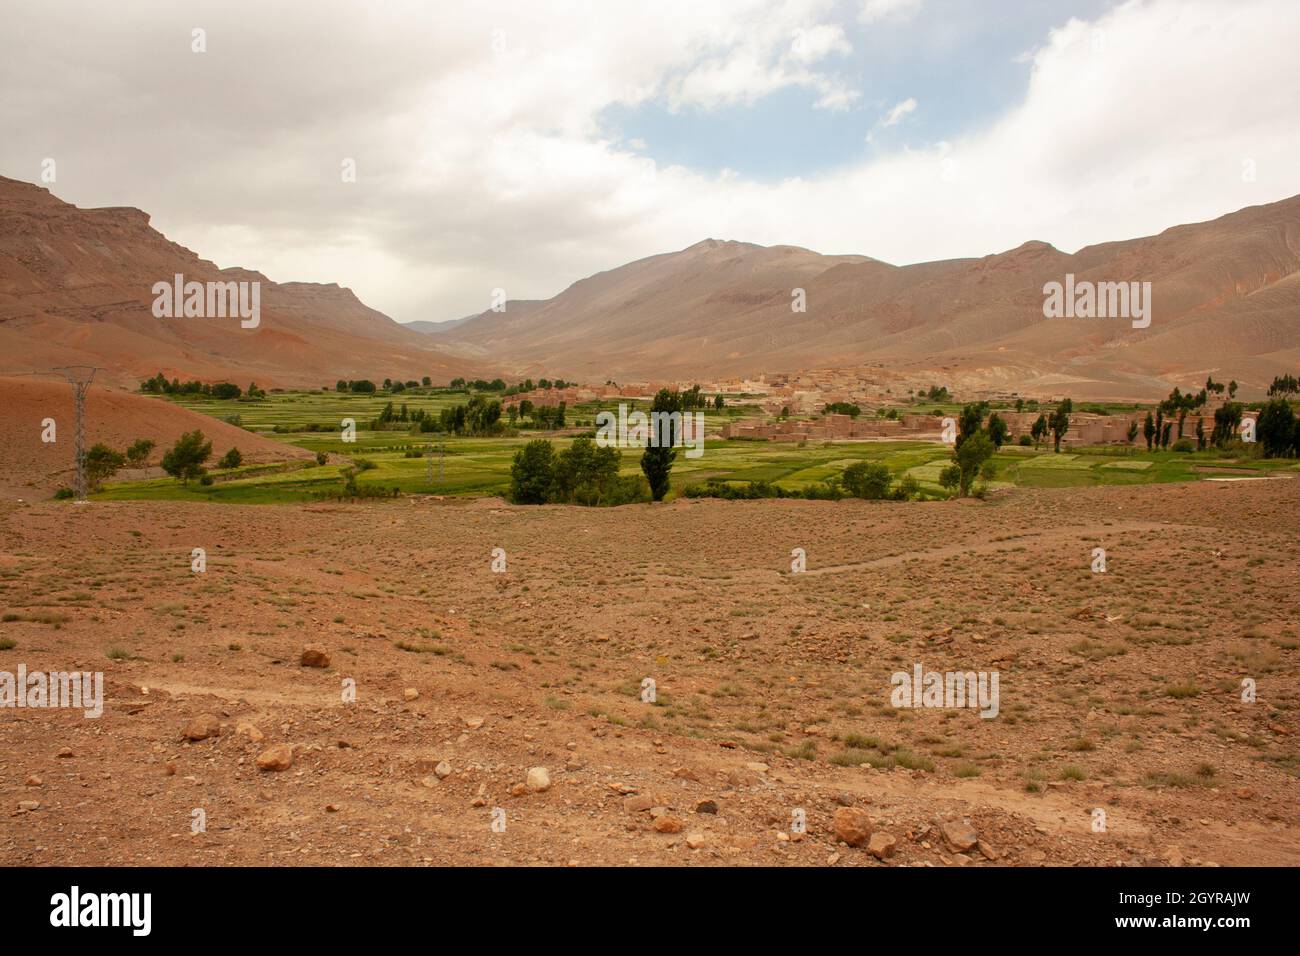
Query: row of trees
x,y
159,385
184,461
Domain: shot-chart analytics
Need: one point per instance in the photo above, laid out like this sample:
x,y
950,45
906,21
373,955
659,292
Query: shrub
x,y
231,459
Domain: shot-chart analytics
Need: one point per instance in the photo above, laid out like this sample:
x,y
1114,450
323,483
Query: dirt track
x,y
1129,680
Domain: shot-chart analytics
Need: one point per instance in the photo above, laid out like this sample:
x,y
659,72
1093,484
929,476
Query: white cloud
x,y
875,10
479,169
898,111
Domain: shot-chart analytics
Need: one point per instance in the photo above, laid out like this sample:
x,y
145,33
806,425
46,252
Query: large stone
x,y
315,655
638,802
279,757
539,779
959,835
852,825
202,727
882,845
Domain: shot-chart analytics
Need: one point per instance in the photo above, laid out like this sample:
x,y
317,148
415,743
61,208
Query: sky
x,y
523,146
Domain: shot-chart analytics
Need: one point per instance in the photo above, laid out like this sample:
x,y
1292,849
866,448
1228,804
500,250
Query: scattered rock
x,y
65,752
410,694
33,781
538,780
706,806
987,851
638,803
27,806
246,729
669,824
202,727
443,770
314,655
473,723
882,845
959,835
696,840
279,757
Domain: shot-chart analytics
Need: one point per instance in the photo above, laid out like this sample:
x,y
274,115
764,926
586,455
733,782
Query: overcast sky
x,y
527,145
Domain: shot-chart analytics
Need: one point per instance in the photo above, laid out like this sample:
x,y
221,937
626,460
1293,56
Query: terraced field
x,y
481,466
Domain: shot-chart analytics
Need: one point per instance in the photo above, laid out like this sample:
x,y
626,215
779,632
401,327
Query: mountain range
x,y
1225,299
75,288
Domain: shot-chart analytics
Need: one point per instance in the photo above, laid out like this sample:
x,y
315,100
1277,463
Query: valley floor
x,y
1119,691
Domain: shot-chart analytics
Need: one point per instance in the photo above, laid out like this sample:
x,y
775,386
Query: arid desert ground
x,y
1119,692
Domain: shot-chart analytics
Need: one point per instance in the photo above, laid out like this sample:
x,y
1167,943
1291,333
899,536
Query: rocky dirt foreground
x,y
347,684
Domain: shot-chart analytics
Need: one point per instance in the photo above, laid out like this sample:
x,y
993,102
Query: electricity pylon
x,y
79,377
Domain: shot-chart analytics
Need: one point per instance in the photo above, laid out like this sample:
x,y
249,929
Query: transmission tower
x,y
79,377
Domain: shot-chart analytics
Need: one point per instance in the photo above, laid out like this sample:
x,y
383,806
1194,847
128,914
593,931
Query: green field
x,y
481,466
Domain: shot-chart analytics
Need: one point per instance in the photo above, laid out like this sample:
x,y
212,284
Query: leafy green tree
x,y
231,459
1132,432
998,430
1275,429
1039,429
970,458
968,423
583,469
102,463
657,460
1227,419
867,479
185,459
532,473
1149,430
1284,385
1060,422
842,408
137,453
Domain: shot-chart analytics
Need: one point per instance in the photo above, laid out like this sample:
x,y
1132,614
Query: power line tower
x,y
79,377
